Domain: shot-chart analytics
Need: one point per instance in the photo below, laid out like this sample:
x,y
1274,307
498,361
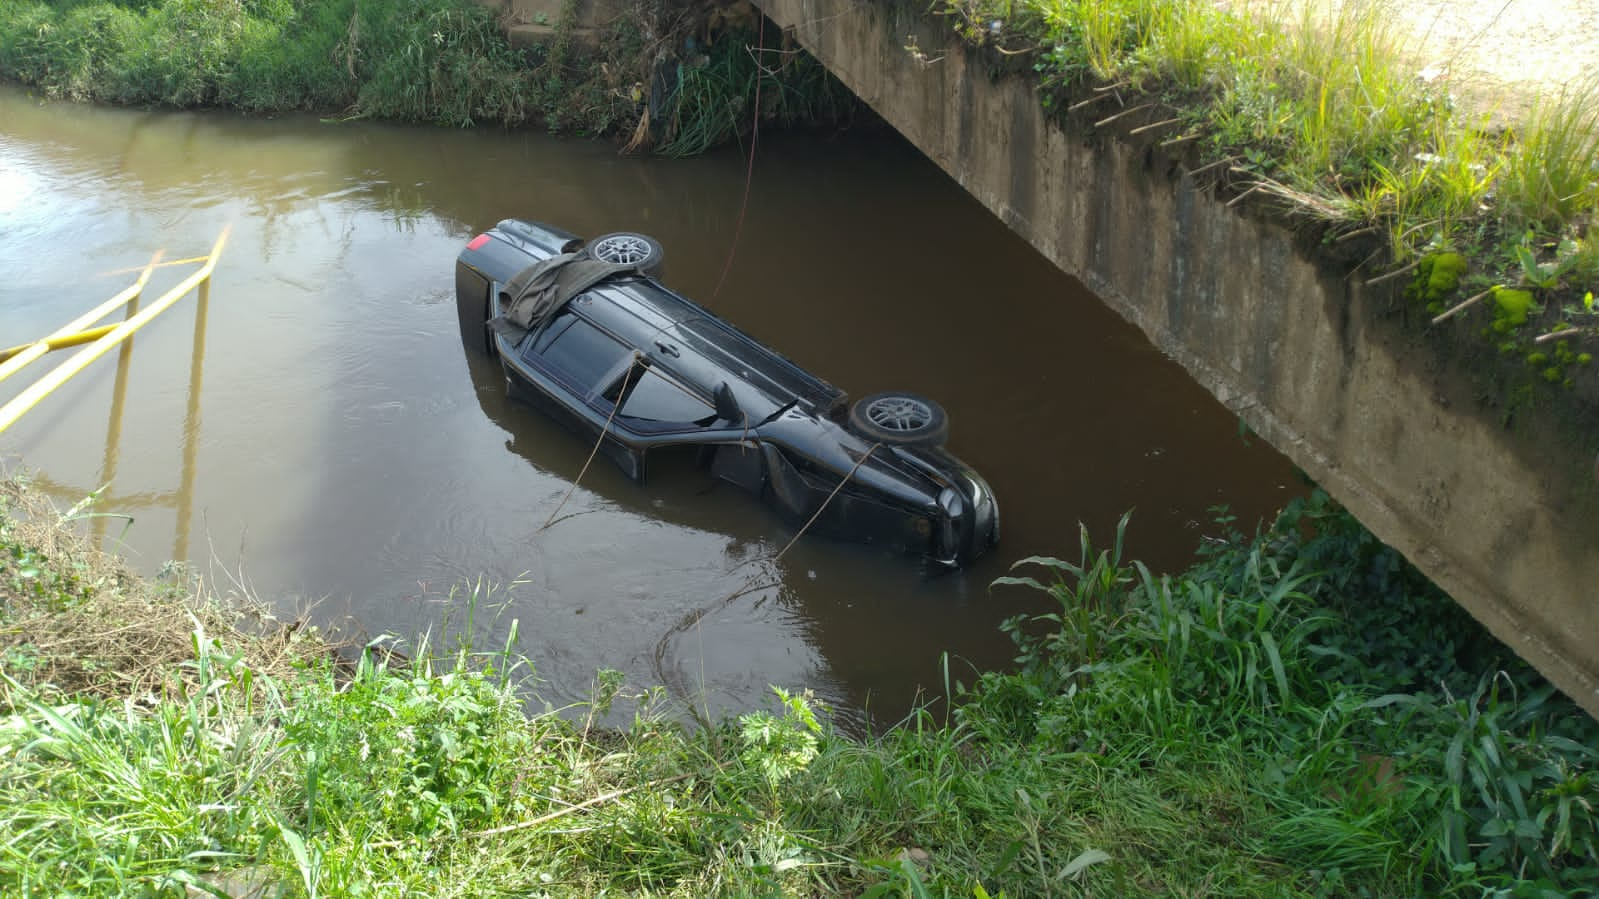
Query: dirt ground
x,y
1496,56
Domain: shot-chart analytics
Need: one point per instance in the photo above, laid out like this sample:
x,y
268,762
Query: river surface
x,y
335,450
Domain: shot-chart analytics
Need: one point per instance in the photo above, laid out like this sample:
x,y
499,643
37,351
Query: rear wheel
x,y
900,419
628,248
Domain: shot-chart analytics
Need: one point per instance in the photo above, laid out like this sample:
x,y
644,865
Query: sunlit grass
x,y
1550,171
1322,109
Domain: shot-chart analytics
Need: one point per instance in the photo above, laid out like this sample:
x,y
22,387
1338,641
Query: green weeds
x,y
1393,752
1300,714
713,93
444,62
1549,178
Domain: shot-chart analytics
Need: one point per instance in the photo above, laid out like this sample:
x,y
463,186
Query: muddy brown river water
x,y
342,452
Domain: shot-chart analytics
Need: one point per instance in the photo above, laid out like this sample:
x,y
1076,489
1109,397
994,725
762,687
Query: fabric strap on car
x,y
536,292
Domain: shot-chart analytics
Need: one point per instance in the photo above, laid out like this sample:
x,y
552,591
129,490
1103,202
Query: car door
x,y
655,400
580,356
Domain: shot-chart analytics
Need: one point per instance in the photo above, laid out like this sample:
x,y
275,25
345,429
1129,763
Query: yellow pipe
x,y
191,425
30,397
113,434
123,271
21,356
59,343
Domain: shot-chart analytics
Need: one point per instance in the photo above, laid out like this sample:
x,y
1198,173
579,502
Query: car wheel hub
x,y
621,250
897,413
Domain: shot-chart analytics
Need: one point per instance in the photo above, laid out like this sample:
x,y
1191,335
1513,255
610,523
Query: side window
x,y
658,398
583,354
555,329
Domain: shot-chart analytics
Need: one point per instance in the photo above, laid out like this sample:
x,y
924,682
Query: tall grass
x,y
1551,171
1397,749
1300,714
443,62
1323,110
1313,99
440,61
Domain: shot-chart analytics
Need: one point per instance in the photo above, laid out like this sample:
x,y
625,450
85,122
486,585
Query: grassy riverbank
x,y
434,62
654,75
1299,714
1323,117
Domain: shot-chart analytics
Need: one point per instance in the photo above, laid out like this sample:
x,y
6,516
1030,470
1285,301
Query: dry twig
x,y
1124,113
1153,125
1460,306
1240,198
1089,102
1211,165
1351,235
1389,276
1565,332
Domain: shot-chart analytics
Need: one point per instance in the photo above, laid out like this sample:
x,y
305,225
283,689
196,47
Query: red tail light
x,y
478,241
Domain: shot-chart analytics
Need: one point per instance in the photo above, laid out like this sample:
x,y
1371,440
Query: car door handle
x,y
668,349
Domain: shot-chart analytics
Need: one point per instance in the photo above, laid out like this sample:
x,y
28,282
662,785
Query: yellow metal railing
x,y
100,340
72,334
18,356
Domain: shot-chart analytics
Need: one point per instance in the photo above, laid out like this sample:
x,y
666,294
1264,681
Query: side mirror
x,y
727,407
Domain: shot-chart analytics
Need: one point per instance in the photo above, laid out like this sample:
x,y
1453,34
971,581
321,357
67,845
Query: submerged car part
x,y
584,331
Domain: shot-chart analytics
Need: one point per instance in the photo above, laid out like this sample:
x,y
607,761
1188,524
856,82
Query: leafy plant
x,y
419,751
780,748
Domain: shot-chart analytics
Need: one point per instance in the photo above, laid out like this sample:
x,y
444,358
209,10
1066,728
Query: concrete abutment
x,y
1506,519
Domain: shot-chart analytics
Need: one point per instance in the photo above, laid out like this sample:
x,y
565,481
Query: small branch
x,y
1240,198
1126,112
555,815
1564,332
1089,102
1210,165
1153,125
1351,235
1177,140
1412,230
1389,276
1363,263
1299,198
1458,307
1111,87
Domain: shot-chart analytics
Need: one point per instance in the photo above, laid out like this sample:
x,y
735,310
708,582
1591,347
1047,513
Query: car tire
x,y
640,250
900,419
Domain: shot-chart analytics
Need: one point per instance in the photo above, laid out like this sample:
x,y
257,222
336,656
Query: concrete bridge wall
x,y
1505,519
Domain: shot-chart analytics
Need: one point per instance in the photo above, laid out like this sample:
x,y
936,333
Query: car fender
x,y
837,453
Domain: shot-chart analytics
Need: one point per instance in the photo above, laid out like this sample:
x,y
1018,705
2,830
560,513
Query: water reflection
x,y
350,454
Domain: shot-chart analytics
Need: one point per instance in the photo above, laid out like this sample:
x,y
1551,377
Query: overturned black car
x,y
584,331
